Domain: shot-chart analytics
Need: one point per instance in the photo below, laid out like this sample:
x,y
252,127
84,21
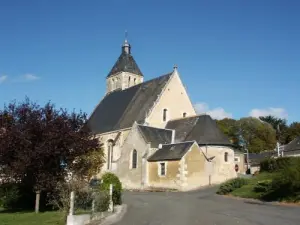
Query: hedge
x,y
110,178
275,165
231,185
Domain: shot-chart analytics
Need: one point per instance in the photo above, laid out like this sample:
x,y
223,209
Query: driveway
x,y
202,208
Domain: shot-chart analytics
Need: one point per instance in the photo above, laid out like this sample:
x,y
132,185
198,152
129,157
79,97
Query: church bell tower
x,y
125,73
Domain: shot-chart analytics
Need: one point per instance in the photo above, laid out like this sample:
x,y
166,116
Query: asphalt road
x,y
202,208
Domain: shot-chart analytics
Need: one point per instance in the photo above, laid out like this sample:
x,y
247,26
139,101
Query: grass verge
x,y
31,218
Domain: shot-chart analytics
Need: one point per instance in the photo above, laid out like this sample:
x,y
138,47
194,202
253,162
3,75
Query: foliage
x,y
292,132
231,185
254,134
263,186
286,184
282,163
17,196
31,218
278,124
258,136
110,178
41,145
9,195
231,129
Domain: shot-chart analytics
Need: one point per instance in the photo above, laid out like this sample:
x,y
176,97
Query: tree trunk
x,y
37,201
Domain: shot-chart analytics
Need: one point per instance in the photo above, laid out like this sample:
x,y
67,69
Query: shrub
x,y
16,196
274,165
231,185
9,195
110,178
263,186
286,184
101,201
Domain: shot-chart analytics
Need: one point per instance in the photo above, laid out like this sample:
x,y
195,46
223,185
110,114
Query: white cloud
x,y
30,77
216,113
277,112
3,78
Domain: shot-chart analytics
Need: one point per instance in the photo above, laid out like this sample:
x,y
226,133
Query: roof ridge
x,y
182,142
188,117
139,86
158,128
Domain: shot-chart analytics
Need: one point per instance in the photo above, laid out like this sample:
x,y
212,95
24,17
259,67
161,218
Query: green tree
x,y
278,124
258,136
230,127
292,132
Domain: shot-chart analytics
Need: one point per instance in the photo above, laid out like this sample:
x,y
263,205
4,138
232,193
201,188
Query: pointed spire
x,y
126,48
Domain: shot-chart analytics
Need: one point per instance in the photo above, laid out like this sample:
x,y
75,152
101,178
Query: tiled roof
x,y
171,151
119,109
156,136
202,129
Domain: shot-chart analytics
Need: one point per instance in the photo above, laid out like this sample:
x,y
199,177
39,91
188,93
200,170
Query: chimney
x,y
173,137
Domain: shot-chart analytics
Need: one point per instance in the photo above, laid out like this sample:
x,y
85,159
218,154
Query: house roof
x,y
171,151
120,108
293,145
125,63
256,158
155,136
202,129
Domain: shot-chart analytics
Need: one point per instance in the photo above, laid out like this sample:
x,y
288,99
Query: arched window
x,y
134,159
165,115
226,156
109,154
184,114
134,81
128,81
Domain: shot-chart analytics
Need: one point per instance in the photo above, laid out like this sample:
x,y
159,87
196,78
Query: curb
x,y
115,217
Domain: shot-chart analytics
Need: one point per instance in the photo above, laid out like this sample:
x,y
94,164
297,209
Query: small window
x,y
165,115
236,159
128,80
184,114
226,157
134,81
162,169
134,159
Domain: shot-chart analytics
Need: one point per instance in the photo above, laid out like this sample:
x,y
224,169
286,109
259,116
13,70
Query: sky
x,y
237,58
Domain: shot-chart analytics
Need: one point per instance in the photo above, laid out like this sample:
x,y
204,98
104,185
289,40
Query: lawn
x,y
31,218
247,191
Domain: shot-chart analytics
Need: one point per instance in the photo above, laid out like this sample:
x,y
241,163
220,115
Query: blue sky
x,y
236,57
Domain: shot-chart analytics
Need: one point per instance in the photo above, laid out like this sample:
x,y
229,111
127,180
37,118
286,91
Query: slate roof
x,y
292,148
119,109
125,63
171,152
155,136
256,158
202,128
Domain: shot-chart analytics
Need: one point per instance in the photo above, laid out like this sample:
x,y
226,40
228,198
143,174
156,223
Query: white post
x,y
72,200
111,204
278,150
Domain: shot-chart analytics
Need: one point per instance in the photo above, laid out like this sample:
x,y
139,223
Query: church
x,y
151,134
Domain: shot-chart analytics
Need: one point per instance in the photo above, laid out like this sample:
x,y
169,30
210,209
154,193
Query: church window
x,y
184,114
165,115
109,154
162,169
134,159
226,156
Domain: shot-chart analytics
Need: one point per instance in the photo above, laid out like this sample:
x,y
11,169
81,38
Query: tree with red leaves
x,y
40,146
